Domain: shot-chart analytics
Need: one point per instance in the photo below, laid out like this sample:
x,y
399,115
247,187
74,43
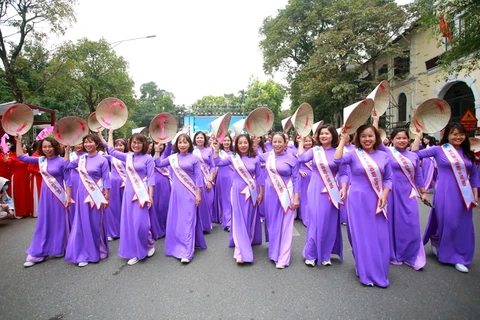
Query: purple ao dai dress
x,y
368,231
87,241
324,234
113,213
184,230
73,180
246,226
302,211
51,229
135,234
223,185
450,225
280,224
343,207
403,217
206,206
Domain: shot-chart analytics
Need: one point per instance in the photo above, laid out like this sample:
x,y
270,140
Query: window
x,y
402,65
402,107
383,70
432,63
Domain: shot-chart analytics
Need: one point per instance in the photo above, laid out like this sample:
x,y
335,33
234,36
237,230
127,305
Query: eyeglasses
x,y
458,135
137,143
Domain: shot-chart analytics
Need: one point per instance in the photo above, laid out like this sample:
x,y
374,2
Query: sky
x,y
201,48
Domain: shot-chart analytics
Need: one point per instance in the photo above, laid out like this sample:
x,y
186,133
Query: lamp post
x,y
116,43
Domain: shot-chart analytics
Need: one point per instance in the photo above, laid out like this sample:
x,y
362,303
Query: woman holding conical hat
x,y
184,229
370,185
51,229
245,196
136,241
87,241
223,185
282,197
118,179
163,182
450,226
403,216
205,155
73,178
324,234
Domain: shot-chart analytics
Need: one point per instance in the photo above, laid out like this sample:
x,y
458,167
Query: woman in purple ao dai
x,y
205,155
324,234
136,241
223,186
349,147
367,195
51,229
87,241
184,230
450,226
282,197
403,217
305,171
73,179
245,196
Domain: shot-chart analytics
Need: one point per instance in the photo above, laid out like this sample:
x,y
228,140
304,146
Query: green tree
x,y
19,20
86,73
463,20
153,101
212,100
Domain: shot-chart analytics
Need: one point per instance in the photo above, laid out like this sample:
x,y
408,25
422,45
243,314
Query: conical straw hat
x,y
357,114
47,132
286,124
259,122
220,126
316,126
163,127
70,130
381,97
474,144
238,126
112,113
17,119
93,123
432,115
302,119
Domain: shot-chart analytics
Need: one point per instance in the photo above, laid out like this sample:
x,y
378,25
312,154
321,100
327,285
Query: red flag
x,y
445,29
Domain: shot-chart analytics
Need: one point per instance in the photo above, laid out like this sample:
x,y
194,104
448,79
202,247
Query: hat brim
x,y
302,119
163,127
17,119
356,115
70,130
259,121
112,113
432,115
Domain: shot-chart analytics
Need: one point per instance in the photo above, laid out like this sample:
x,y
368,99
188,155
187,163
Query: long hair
x,y
378,141
231,143
123,143
56,146
465,144
250,152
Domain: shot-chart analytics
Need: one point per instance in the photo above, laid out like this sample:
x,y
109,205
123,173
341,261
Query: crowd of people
x,y
138,192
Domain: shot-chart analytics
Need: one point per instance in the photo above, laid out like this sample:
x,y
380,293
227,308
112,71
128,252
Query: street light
x,y
116,43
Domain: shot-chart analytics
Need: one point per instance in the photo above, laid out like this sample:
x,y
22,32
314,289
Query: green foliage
x,y
463,20
19,20
152,102
212,100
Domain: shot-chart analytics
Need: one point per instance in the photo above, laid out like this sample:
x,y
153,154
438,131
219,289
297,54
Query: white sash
x,y
284,192
203,166
224,155
408,169
461,174
309,165
139,185
121,170
95,195
182,176
51,182
251,188
73,156
374,176
327,176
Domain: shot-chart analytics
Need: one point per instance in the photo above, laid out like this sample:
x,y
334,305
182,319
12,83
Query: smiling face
x,y
400,141
279,143
368,139
90,145
200,140
307,142
456,137
48,149
183,145
242,144
119,146
78,148
227,142
136,145
325,137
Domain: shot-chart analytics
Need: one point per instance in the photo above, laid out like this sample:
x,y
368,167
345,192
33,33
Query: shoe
x,y
396,263
326,263
239,261
227,229
151,252
310,263
434,251
279,266
132,261
59,256
83,264
369,284
344,223
185,260
28,264
109,238
460,267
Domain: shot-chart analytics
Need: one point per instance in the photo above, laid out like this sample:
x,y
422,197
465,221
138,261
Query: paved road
x,y
213,286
